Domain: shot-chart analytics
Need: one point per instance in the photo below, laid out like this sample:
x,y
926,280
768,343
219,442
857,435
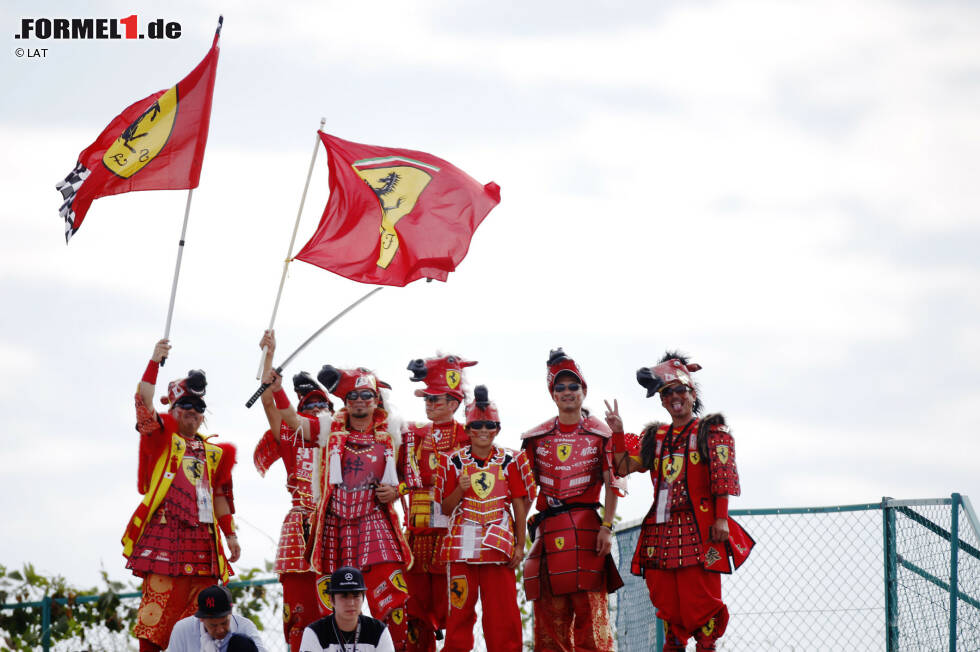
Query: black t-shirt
x,y
321,636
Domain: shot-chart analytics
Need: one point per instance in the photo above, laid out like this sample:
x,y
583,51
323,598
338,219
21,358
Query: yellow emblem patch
x,y
397,616
559,542
708,629
433,461
458,591
452,378
673,466
141,141
323,590
650,551
564,450
193,469
722,452
398,188
695,457
398,581
285,613
482,483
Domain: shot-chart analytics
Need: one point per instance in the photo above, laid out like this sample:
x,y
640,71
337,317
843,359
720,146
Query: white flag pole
x,y
292,241
180,255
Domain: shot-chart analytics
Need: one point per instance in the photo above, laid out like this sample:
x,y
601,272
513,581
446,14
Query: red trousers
x,y
387,602
165,601
571,622
689,600
299,605
427,605
496,586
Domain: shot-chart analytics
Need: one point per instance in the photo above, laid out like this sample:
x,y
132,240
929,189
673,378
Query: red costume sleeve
x,y
514,480
724,473
153,440
447,479
523,466
266,453
222,475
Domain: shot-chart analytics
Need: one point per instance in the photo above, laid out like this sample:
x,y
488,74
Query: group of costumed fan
x,y
466,503
395,216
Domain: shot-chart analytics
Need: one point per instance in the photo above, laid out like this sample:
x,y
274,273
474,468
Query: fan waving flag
x,y
395,215
156,143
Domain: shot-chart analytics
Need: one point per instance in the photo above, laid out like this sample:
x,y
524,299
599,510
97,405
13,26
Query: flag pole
x,y
180,255
312,337
292,241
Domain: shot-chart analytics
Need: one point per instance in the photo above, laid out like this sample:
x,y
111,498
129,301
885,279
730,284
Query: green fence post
x,y
954,553
46,623
891,576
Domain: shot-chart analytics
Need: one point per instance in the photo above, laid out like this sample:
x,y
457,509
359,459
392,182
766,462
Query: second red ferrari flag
x,y
395,215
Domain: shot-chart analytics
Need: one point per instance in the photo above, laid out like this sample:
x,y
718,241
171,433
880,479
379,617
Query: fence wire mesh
x,y
863,577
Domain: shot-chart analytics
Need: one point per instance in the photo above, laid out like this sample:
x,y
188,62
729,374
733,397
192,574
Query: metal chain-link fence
x,y
857,577
895,575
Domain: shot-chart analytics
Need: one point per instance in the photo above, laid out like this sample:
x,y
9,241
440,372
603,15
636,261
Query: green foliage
x,y
21,628
251,600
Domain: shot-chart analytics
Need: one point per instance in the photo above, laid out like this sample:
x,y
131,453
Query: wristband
x,y
281,398
227,525
150,375
618,442
607,525
721,506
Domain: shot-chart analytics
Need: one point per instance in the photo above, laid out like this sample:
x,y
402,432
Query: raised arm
x,y
268,343
147,385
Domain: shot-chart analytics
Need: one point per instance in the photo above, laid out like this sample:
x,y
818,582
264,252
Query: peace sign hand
x,y
613,420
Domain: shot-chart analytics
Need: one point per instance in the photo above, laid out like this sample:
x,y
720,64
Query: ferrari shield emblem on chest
x,y
672,467
193,469
482,483
398,581
458,591
398,187
559,542
563,451
141,141
433,461
722,452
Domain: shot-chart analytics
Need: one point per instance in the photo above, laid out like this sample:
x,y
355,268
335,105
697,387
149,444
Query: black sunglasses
x,y
433,399
364,395
572,387
483,425
314,405
676,389
197,406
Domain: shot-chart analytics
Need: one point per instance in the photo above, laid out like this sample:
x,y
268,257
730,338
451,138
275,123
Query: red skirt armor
x,y
175,542
361,543
564,550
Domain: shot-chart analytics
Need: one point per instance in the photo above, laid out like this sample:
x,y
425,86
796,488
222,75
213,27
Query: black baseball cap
x,y
213,602
347,579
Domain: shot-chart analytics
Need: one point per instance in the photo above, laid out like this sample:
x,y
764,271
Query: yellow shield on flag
x,y
722,452
564,450
458,591
323,590
673,466
398,188
193,469
141,141
482,483
452,378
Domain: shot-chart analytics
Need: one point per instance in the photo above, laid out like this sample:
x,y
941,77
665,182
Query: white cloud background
x,y
787,191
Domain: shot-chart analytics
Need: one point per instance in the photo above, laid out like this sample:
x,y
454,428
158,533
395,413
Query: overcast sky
x,y
786,191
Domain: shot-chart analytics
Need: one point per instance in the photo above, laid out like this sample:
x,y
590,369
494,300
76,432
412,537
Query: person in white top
x,y
347,630
213,628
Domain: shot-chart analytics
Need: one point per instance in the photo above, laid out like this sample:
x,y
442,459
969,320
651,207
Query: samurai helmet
x,y
559,362
309,391
442,375
341,382
191,386
482,408
673,369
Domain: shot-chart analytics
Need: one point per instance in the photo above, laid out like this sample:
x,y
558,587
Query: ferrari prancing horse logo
x,y
458,591
452,378
482,483
672,467
193,469
398,188
141,141
722,451
564,450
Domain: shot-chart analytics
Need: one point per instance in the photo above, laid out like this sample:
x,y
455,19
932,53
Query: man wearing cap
x,y
213,628
479,486
569,571
173,540
687,538
298,451
346,629
355,523
419,462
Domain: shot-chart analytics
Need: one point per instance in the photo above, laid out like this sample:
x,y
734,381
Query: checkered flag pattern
x,y
68,188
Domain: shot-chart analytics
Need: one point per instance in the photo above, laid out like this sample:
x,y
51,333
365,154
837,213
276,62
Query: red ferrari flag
x,y
156,143
395,215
